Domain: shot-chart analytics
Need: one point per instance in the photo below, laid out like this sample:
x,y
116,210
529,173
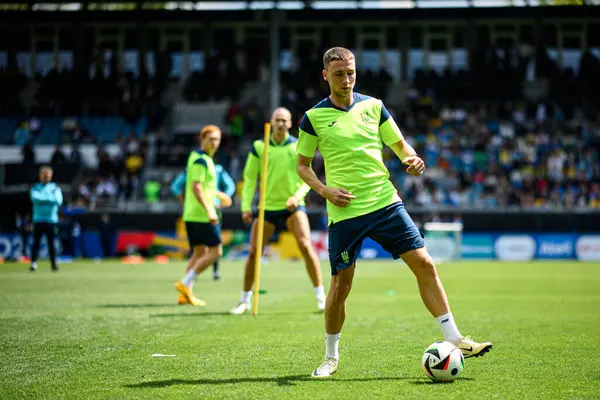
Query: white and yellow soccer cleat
x,y
328,367
321,303
240,309
470,348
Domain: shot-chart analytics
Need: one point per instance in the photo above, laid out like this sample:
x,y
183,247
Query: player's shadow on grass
x,y
195,314
143,305
426,381
212,313
289,380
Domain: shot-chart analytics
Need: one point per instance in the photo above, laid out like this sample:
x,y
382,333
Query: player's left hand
x,y
416,166
292,203
225,199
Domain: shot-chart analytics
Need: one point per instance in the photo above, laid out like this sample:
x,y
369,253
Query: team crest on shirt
x,y
365,117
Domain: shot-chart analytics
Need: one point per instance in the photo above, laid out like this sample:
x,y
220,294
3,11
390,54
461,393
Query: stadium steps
x,y
27,96
8,125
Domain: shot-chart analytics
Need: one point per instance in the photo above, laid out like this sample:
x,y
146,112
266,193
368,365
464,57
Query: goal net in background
x,y
443,240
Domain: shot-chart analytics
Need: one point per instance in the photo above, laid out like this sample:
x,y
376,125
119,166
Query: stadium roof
x,y
231,5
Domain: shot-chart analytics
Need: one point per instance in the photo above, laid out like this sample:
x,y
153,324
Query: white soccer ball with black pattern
x,y
443,362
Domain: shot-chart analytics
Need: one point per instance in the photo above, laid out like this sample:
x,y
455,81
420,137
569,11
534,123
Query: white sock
x,y
449,328
189,278
331,345
320,291
246,296
191,285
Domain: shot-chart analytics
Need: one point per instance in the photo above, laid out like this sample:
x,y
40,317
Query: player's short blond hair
x,y
46,168
208,129
337,54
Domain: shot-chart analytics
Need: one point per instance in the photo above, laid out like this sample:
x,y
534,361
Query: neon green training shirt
x,y
283,181
351,142
200,168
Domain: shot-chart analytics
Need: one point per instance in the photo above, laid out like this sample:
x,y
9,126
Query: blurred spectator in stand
x,y
35,127
133,146
22,134
133,164
235,120
107,235
105,164
75,157
28,154
152,191
106,189
23,225
58,157
84,195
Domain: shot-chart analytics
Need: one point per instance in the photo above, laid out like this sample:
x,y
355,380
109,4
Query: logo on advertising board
x,y
515,247
477,246
587,248
371,250
442,248
556,246
11,246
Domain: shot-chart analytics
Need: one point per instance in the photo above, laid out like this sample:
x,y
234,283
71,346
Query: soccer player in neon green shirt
x,y
284,204
350,131
199,211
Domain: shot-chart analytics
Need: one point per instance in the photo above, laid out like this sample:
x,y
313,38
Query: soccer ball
x,y
443,362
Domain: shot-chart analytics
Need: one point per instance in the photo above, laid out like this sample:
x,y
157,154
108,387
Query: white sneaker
x,y
328,367
240,308
321,303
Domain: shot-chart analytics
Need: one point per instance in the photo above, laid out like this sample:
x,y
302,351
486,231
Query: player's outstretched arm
x,y
337,196
408,156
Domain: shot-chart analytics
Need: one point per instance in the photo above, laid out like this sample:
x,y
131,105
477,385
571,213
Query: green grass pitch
x,y
89,332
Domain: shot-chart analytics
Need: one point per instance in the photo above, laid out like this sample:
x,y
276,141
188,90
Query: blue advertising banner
x,y
11,246
509,247
555,246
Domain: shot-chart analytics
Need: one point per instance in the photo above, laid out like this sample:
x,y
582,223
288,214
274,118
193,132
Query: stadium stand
x,y
505,113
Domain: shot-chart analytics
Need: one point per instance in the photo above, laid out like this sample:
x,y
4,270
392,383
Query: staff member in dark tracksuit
x,y
46,197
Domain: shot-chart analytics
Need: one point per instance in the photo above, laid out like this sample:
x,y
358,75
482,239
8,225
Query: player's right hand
x,y
338,197
213,218
247,217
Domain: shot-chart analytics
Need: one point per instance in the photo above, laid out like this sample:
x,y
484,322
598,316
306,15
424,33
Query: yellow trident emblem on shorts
x,y
345,257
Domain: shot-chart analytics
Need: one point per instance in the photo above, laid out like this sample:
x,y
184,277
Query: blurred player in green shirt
x,y
199,211
350,130
284,204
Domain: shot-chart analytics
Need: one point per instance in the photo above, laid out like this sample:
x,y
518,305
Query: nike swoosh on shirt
x,y
331,124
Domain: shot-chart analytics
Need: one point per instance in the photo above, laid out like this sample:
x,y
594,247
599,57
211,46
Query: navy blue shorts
x,y
390,226
279,217
203,234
